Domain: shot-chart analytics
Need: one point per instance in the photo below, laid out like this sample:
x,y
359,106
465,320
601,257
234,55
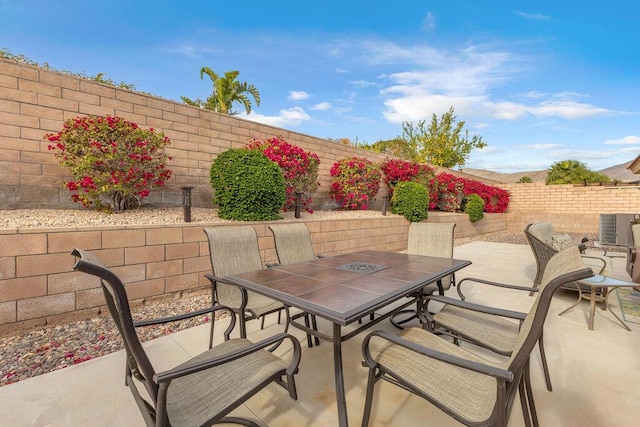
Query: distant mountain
x,y
617,172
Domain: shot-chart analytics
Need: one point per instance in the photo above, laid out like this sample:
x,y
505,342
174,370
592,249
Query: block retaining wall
x,y
570,209
38,285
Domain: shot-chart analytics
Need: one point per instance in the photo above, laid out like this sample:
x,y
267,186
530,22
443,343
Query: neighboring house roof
x,y
634,166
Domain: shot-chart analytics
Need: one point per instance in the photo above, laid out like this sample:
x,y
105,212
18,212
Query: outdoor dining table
x,y
346,288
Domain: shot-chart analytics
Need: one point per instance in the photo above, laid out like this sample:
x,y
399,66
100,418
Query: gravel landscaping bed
x,y
50,348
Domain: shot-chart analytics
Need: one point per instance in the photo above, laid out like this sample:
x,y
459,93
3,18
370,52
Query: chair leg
x,y
213,324
543,359
306,323
314,325
532,405
398,323
369,397
524,404
243,325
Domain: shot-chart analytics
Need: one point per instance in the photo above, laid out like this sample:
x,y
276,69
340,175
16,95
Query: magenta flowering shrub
x,y
110,158
398,170
356,182
452,189
299,167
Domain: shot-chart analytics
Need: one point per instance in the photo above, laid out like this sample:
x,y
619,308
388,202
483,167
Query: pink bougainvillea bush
x,y
115,164
398,170
452,189
299,167
356,182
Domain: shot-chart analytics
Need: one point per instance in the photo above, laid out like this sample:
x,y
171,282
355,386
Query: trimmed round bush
x,y
248,186
411,200
474,207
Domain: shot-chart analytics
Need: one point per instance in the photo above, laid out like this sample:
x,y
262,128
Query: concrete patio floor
x,y
595,374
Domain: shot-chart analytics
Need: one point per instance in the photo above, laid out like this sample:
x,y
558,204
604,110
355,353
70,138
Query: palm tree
x,y
226,91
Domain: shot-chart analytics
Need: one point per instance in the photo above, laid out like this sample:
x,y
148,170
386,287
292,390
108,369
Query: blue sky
x,y
540,81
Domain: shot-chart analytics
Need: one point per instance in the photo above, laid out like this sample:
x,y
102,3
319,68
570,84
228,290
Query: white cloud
x,y
582,155
189,51
429,22
542,146
489,149
533,16
421,106
290,117
534,94
630,150
323,106
365,83
296,95
627,140
550,108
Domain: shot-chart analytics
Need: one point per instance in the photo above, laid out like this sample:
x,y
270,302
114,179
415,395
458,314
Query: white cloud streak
x,y
286,118
295,95
627,140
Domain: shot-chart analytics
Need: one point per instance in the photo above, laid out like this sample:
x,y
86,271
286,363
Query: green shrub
x,y
411,200
474,207
248,186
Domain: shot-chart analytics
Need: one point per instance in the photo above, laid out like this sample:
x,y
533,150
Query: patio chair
x,y
633,261
489,327
545,242
429,239
233,250
467,387
293,244
206,388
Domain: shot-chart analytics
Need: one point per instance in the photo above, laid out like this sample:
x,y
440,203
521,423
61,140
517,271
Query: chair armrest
x,y
168,375
212,309
214,282
474,307
598,260
489,282
162,320
434,354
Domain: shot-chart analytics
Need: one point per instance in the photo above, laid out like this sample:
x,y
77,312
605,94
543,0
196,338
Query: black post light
x,y
186,202
384,205
298,204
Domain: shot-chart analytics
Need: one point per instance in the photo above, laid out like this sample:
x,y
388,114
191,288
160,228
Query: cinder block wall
x,y
570,209
34,102
38,285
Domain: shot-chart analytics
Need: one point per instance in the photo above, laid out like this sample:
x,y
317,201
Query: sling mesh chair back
x,y
544,244
465,386
428,239
206,388
293,244
233,250
490,327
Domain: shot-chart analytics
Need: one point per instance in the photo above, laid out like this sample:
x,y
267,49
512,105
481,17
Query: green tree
x,y
444,142
573,172
524,180
396,147
226,91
